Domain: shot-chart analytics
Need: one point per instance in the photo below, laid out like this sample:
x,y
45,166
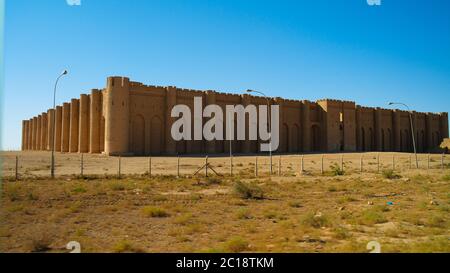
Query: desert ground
x,y
165,208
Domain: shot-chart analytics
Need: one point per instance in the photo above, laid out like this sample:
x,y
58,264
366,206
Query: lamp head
x,y
250,91
65,72
391,103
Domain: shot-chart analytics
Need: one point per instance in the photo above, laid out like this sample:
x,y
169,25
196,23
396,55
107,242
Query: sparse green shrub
x,y
213,181
236,245
40,241
117,186
125,246
332,189
391,174
183,219
155,212
341,233
437,222
79,189
13,192
270,214
32,197
243,214
336,170
315,220
295,204
248,191
371,217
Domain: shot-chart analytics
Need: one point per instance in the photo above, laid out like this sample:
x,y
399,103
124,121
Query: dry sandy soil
x,y
37,164
405,211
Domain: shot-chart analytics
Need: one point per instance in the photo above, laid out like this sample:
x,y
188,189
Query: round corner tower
x,y
117,113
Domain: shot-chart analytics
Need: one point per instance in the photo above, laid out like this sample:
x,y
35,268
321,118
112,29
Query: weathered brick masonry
x,y
129,118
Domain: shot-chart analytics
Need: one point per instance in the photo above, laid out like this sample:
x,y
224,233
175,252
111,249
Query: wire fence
x,y
37,164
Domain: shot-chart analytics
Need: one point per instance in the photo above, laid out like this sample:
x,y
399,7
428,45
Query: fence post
x,y
410,162
279,166
378,162
17,167
120,167
428,163
393,162
302,164
442,161
206,166
321,168
150,166
231,165
361,164
82,165
256,166
178,167
342,162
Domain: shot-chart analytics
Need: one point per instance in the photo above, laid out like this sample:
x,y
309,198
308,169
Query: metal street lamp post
x,y
270,124
54,123
412,129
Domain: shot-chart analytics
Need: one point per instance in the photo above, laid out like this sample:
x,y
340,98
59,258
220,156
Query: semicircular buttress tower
x,y
117,115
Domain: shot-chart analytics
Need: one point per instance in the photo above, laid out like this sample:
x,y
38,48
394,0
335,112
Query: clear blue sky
x,y
343,49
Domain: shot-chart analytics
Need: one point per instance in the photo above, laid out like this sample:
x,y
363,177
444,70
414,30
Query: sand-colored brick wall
x,y
130,118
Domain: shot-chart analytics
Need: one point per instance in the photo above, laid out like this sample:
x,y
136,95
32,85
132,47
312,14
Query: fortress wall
x,y
291,142
30,133
186,97
305,126
147,116
84,124
402,128
318,129
420,129
117,102
340,125
434,130
103,122
349,122
170,102
44,132
38,133
65,128
95,118
50,129
211,145
24,125
58,128
129,118
74,125
384,138
366,125
444,125
34,133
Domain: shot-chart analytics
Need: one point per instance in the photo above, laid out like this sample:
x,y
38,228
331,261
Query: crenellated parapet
x,y
127,117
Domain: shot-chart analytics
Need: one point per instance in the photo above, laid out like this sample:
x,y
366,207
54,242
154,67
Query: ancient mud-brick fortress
x,y
129,118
